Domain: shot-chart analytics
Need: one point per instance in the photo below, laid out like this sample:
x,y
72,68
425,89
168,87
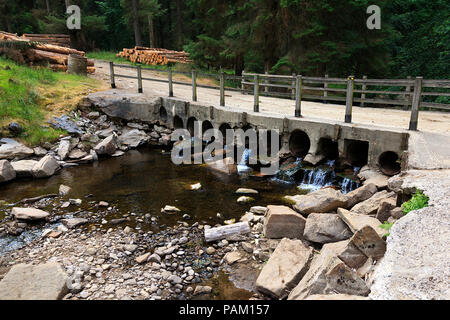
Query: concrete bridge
x,y
358,144
377,136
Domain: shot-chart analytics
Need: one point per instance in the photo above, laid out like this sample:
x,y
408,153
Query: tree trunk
x,y
151,32
137,29
179,21
47,3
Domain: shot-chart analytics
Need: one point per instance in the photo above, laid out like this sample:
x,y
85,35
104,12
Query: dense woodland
x,y
311,37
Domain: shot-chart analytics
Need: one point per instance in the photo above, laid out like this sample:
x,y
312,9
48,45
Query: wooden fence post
x,y
170,83
194,85
111,73
298,96
416,103
266,82
242,82
293,86
325,91
349,100
363,95
256,94
407,96
222,89
139,76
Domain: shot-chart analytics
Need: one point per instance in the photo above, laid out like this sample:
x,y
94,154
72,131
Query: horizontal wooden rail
x,y
348,91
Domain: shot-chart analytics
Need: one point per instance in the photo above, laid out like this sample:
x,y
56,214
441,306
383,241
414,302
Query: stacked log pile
x,y
62,40
37,53
154,56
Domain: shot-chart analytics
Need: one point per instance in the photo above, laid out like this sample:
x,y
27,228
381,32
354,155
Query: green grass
x,y
30,96
418,201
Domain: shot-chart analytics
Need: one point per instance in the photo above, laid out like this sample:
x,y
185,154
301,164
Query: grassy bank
x,y
31,96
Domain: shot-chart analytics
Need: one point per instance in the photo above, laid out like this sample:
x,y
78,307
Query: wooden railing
x,y
408,92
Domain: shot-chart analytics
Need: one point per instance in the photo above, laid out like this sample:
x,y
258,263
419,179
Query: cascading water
x,y
314,179
348,185
242,166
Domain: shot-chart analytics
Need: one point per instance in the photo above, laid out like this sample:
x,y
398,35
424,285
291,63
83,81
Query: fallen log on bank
x,y
219,233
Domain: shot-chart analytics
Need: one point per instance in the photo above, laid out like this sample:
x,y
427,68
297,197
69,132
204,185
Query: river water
x,y
144,181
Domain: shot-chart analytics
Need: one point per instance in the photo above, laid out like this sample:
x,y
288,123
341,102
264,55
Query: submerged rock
x,y
245,199
74,222
29,213
170,209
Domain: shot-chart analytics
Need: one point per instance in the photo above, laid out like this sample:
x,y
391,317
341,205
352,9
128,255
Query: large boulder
x,y
350,254
11,149
134,138
325,228
24,168
361,194
385,208
283,222
34,282
371,205
320,201
328,274
285,268
29,213
369,242
7,172
107,145
45,167
357,221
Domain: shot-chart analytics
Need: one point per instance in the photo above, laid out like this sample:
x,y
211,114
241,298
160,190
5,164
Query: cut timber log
x,y
214,234
56,58
58,49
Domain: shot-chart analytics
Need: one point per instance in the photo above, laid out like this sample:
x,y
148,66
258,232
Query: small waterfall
x,y
314,179
242,165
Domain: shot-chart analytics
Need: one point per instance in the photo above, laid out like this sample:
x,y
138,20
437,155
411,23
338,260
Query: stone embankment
x,y
90,135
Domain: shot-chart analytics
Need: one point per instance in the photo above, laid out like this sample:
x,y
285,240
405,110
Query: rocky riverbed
x,y
324,244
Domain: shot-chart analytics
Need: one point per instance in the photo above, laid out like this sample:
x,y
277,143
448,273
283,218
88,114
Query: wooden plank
x,y
415,104
349,100
194,85
298,96
256,93
219,233
222,90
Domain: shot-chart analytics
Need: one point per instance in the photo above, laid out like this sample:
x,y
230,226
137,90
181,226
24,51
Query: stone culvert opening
x,y
389,164
223,129
163,115
207,125
191,123
177,122
299,143
357,152
328,148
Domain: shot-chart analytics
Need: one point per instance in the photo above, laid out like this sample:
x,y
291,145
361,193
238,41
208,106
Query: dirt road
x,y
429,121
